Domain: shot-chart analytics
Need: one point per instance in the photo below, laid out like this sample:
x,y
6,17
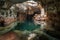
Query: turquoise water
x,y
29,26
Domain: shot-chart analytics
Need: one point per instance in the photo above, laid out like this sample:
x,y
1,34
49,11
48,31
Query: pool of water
x,y
29,26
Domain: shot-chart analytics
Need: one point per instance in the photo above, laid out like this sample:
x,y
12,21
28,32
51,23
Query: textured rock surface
x,y
9,36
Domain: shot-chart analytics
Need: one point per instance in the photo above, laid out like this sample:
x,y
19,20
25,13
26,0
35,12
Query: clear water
x,y
29,26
